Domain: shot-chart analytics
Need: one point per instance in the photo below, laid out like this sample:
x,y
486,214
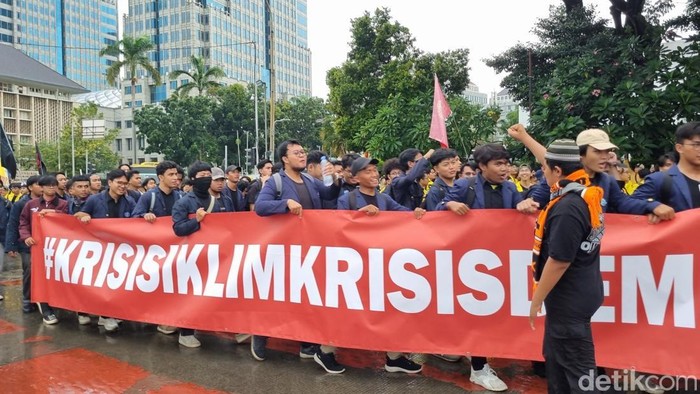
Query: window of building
x,y
128,144
173,85
119,145
118,124
142,142
129,124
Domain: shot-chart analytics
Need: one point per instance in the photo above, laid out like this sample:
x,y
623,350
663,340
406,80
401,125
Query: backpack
x,y
666,189
277,178
440,193
415,194
352,200
153,200
471,192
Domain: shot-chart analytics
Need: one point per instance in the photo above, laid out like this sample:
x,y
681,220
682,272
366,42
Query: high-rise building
x,y
232,34
246,38
65,35
473,95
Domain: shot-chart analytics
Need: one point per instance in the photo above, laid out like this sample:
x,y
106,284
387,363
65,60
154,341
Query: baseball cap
x,y
596,138
217,173
360,164
233,168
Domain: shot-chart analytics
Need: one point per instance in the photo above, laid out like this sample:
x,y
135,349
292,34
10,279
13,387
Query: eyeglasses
x,y
297,153
695,145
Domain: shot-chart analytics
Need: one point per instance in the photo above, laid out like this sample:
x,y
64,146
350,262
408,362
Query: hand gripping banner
x,y
443,284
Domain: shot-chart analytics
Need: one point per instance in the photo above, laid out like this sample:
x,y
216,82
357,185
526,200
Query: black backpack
x,y
666,189
471,192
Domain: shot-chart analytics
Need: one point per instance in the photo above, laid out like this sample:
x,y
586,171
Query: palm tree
x,y
132,54
202,78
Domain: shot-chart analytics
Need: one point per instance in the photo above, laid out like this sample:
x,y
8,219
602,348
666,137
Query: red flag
x,y
441,110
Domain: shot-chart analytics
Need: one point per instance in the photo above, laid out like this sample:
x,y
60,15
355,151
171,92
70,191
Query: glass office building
x,y
223,32
65,35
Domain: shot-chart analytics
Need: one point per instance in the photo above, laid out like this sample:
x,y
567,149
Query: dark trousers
x,y
26,277
186,331
478,362
27,283
570,358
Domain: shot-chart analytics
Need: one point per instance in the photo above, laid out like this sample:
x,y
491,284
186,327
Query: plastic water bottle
x,y
327,179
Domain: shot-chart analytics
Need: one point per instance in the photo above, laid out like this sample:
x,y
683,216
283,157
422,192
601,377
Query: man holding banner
x,y
566,263
291,191
111,203
48,202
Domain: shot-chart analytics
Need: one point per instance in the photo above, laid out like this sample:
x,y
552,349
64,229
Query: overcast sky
x,y
484,27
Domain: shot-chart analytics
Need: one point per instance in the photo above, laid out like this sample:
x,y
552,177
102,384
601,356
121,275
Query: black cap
x,y
360,164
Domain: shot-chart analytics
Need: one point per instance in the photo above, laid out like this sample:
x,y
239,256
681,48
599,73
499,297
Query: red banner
x,y
443,284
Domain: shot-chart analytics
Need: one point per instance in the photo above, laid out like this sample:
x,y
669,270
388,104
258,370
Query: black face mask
x,y
200,186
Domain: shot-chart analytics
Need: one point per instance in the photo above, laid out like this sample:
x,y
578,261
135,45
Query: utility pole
x,y
273,78
255,90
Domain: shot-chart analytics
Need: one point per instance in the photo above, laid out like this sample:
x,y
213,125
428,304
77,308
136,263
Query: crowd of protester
x,y
415,181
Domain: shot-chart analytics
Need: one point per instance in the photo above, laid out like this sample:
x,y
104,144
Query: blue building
x,y
223,33
65,35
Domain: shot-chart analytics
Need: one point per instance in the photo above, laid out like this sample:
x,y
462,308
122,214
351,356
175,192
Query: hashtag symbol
x,y
49,252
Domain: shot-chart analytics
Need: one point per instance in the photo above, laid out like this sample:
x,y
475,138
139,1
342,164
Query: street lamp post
x,y
72,147
255,90
267,149
273,128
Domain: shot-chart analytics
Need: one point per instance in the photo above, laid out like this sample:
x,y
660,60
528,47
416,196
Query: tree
x,y
306,117
688,21
563,35
625,81
234,119
181,129
203,77
99,150
132,54
381,96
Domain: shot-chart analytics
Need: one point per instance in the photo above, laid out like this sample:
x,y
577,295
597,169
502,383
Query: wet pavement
x,y
67,357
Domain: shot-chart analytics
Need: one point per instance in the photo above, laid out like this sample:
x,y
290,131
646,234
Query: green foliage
x,y
234,120
100,152
689,19
203,77
622,82
132,54
381,96
561,36
198,127
306,117
181,129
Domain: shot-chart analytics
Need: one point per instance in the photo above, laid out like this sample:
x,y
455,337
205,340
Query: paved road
x,y
35,358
